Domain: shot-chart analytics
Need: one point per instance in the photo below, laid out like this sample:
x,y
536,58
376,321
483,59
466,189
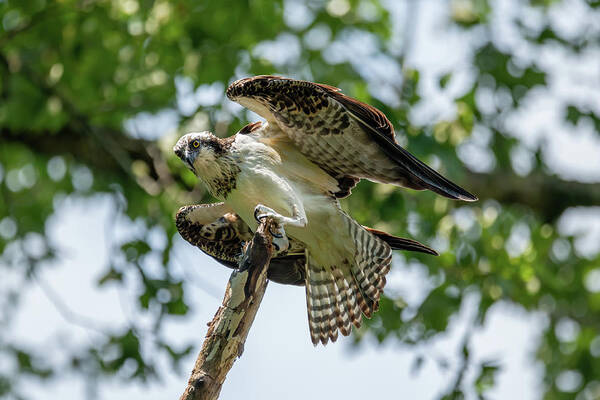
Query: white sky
x,y
279,361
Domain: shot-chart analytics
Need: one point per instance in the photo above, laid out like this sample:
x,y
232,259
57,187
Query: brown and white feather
x,y
347,138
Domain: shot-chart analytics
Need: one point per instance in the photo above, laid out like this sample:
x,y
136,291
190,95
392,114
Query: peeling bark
x,y
228,330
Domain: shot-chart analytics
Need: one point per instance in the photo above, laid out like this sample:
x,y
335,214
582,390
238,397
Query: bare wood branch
x,y
229,328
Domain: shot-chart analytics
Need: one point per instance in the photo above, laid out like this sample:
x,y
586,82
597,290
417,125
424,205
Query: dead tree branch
x,y
229,328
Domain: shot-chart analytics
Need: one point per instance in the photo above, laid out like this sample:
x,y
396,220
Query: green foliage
x,y
486,378
28,365
74,74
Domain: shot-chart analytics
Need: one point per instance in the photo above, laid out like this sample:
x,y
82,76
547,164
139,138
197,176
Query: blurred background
x,y
101,298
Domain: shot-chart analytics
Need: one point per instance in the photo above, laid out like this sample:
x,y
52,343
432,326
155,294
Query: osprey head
x,y
199,151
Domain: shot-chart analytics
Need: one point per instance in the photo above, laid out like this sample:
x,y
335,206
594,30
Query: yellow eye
x,y
195,144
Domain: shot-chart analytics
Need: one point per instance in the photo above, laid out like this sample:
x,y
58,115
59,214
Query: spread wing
x,y
348,139
219,232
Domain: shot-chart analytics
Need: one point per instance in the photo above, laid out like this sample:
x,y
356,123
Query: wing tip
x,y
442,186
432,252
424,249
421,248
466,196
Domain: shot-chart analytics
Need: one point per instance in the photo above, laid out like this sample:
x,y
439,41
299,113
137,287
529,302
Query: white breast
x,y
272,172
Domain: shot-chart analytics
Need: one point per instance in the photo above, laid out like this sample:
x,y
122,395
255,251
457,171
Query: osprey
x,y
314,147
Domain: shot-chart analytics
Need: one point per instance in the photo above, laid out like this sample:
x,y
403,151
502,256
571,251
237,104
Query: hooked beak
x,y
188,161
184,156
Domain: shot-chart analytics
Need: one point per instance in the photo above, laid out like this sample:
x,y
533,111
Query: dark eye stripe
x,y
211,143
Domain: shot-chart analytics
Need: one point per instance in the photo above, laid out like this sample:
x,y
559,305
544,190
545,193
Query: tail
x,y
398,243
337,295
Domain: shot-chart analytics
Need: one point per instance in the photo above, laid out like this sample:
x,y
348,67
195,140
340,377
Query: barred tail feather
x,y
348,298
321,304
344,312
338,295
328,325
331,303
372,262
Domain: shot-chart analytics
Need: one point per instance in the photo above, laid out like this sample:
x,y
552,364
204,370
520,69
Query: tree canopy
x,y
93,95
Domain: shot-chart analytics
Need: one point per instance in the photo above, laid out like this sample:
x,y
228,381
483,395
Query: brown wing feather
x,y
346,184
214,228
418,175
345,137
219,232
372,117
250,128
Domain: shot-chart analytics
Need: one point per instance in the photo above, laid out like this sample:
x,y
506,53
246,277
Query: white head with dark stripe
x,y
199,151
209,158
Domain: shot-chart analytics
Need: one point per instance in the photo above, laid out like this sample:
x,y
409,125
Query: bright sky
x,y
279,361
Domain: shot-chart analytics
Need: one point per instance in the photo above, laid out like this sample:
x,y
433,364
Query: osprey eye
x,y
195,144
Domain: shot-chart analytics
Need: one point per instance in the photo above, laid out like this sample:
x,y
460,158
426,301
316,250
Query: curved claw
x,y
257,217
261,212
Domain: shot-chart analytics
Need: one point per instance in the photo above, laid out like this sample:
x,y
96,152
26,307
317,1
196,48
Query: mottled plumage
x,y
219,232
345,137
314,148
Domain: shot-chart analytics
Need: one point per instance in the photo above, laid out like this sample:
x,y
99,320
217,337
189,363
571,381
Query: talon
x,y
256,217
261,212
